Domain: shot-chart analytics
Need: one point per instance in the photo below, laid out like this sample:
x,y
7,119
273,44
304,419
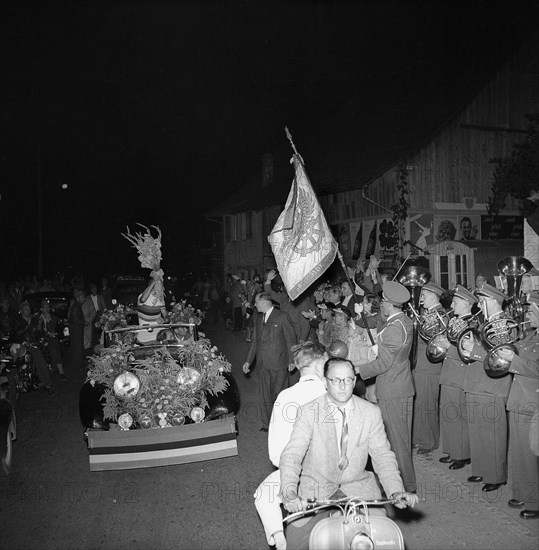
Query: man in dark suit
x,y
272,340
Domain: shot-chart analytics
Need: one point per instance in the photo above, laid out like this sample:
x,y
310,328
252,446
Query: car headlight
x,y
197,414
126,385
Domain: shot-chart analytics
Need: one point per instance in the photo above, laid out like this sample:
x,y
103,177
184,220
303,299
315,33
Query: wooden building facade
x,y
446,168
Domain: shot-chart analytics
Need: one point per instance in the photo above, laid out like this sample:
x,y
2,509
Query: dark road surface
x,y
52,500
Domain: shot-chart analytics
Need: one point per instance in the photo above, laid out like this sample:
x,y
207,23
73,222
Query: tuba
x,y
514,268
414,277
494,334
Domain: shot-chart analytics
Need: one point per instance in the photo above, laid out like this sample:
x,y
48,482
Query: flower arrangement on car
x,y
115,318
182,312
158,391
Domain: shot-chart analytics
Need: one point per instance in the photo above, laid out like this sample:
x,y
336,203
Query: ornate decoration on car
x,y
158,389
126,385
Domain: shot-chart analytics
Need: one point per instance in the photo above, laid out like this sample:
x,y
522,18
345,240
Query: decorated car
x,y
157,393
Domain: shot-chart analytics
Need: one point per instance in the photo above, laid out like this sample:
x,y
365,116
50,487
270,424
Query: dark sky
x,y
154,111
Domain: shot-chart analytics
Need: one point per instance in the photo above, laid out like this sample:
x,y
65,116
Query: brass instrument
x,y
414,277
436,347
432,323
498,337
514,268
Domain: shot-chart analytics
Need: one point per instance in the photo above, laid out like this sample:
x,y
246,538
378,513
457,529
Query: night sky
x,y
155,111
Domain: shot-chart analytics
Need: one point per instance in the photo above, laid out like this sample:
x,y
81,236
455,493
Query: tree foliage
x,y
517,175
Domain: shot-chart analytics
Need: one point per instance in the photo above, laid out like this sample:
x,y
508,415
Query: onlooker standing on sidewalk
x,y
236,291
75,319
47,326
215,301
106,292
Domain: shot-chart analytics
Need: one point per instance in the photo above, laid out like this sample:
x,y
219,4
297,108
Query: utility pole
x,y
39,216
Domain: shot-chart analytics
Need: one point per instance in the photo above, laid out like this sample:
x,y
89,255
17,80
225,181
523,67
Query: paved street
x,y
52,500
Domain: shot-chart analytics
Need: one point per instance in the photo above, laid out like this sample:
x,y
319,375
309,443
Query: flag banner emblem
x,y
301,240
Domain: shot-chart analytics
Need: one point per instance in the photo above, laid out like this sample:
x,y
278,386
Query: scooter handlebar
x,y
313,505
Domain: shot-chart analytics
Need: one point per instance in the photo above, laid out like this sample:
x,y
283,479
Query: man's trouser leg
x,y
454,423
397,417
268,505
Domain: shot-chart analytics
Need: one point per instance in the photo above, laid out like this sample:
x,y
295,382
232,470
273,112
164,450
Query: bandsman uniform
x,y
522,402
394,383
486,399
453,417
426,423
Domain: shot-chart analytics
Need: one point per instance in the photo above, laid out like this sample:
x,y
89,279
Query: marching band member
x,y
453,414
522,403
394,383
426,427
486,398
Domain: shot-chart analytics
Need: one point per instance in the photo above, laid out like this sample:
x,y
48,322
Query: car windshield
x,y
168,334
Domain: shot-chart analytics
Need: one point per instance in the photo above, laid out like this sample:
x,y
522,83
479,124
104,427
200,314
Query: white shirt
x,y
94,300
285,410
267,314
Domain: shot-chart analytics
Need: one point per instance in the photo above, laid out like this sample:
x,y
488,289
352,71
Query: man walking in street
x,y
273,339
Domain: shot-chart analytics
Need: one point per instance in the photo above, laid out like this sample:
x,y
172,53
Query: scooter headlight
x,y
361,541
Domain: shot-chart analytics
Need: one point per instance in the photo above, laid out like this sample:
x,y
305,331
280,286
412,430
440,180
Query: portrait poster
x,y
469,227
445,228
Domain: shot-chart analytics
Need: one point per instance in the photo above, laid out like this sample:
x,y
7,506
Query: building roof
x,y
363,140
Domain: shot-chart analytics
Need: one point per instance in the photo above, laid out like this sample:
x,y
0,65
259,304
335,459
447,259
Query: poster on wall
x,y
421,232
445,228
457,228
356,239
342,236
469,227
370,237
502,227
